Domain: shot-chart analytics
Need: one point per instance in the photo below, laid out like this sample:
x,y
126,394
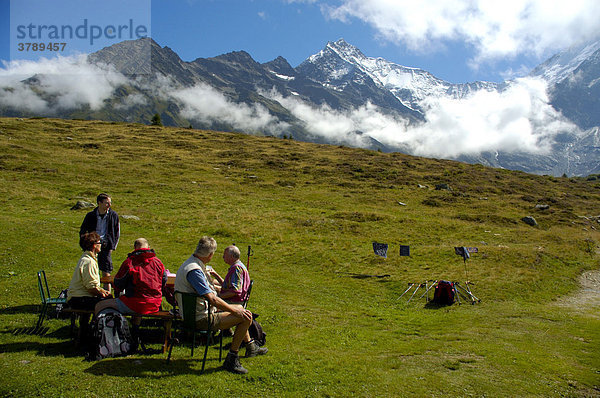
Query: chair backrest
x,y
248,293
43,294
188,310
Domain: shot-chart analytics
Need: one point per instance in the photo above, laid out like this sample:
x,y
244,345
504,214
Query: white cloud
x,y
496,29
342,126
70,83
131,100
67,83
517,119
204,103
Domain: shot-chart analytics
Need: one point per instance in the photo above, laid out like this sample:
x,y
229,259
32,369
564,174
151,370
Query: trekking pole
x,y
471,294
248,262
409,286
456,293
428,289
463,291
415,292
467,291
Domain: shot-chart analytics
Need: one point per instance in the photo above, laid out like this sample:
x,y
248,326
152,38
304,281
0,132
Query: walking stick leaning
x,y
410,285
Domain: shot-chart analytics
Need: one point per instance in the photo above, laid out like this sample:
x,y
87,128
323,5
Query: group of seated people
x,y
141,282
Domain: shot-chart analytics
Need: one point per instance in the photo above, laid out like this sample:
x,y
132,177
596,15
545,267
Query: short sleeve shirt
x,y
197,279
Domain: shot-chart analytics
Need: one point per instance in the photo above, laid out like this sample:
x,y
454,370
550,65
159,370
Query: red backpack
x,y
444,293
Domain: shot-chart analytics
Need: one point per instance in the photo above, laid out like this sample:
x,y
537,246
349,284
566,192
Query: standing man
x,y
104,221
192,278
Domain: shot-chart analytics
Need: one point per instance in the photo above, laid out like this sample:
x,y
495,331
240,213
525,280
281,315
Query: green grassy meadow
x,y
311,213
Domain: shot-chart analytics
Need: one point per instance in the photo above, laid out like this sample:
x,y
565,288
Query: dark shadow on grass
x,y
21,309
364,276
140,367
62,349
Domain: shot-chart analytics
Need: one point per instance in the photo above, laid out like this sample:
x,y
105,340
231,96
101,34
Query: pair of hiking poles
x,y
458,289
418,286
465,292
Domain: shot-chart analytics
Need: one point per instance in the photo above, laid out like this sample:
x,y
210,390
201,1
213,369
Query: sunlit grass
x,y
310,213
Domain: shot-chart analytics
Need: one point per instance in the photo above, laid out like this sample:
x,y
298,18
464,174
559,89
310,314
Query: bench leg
x,y
168,325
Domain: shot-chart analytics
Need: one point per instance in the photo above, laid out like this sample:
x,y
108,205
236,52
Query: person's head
x,y
231,254
104,203
140,243
206,247
90,242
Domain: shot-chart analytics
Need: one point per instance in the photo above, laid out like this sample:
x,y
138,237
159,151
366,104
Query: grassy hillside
x,y
311,213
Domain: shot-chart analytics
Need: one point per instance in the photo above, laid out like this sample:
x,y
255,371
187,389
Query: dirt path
x,y
587,299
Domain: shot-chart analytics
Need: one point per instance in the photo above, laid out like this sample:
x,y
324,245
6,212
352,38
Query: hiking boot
x,y
233,365
253,349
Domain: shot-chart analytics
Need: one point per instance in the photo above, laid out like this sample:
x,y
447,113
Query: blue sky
x,y
459,42
456,40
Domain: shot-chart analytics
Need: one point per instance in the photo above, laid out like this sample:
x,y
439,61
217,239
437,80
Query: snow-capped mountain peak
x,y
563,64
411,86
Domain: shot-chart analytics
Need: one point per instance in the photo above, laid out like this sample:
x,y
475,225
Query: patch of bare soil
x,y
587,299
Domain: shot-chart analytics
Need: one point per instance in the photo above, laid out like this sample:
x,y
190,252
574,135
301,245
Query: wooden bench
x,y
167,319
164,316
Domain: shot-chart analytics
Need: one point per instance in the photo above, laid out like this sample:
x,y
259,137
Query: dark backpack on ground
x,y
111,335
444,293
256,332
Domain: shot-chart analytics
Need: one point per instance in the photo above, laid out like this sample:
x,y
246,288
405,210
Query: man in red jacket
x,y
142,278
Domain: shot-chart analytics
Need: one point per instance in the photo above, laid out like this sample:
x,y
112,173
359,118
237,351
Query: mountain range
x,y
340,96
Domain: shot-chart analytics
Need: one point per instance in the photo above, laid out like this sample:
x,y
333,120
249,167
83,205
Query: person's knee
x,y
245,323
110,303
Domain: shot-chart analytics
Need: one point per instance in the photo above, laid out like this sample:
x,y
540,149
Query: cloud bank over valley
x,y
518,118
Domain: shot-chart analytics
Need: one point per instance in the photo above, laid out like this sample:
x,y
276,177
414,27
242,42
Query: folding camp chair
x,y
47,300
188,323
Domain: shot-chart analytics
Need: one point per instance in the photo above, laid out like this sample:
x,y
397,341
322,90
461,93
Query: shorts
x,y
105,259
216,318
123,308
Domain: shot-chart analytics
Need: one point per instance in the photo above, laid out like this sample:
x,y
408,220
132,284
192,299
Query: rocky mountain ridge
x,y
273,98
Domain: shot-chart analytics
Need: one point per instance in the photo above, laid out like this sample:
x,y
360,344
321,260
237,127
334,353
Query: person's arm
x,y
234,286
90,278
85,225
215,275
197,279
117,231
98,291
